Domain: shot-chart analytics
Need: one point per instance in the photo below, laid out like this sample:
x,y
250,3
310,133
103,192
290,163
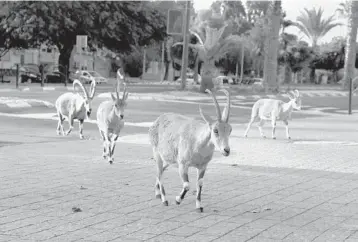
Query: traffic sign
x,y
175,22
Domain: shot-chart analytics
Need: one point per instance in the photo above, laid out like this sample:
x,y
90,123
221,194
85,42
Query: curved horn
x,y
77,82
292,94
124,90
117,90
226,112
297,93
93,89
217,108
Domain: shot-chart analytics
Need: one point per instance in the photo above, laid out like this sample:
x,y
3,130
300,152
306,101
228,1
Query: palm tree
x,y
214,42
274,15
350,52
343,9
312,24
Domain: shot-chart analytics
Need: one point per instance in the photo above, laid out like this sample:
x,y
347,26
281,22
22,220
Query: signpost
x,y
350,96
184,63
175,22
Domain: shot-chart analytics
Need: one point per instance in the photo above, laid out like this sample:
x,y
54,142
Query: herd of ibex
x,y
175,139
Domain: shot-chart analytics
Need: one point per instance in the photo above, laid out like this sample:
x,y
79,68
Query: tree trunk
x,y
196,70
207,77
237,71
64,60
166,72
271,47
350,53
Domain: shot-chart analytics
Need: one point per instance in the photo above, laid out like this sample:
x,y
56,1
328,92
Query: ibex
x,y
110,121
187,142
74,106
274,110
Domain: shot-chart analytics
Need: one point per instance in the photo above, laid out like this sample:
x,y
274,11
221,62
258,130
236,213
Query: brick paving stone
x,y
184,231
262,239
302,219
165,238
208,221
220,229
242,233
278,231
161,227
304,235
334,235
350,224
285,213
142,235
324,223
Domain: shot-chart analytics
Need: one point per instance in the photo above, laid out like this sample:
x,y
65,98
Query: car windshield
x,y
94,74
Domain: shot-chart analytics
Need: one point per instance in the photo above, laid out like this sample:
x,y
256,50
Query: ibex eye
x,y
216,131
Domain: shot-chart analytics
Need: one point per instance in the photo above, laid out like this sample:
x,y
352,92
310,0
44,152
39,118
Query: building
x,y
49,56
86,60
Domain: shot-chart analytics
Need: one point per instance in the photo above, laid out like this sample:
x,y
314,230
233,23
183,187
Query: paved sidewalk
x,y
45,185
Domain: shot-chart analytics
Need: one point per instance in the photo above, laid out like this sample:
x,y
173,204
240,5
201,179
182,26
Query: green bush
x,y
133,63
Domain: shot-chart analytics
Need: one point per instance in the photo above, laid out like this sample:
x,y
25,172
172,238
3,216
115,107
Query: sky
x,y
293,9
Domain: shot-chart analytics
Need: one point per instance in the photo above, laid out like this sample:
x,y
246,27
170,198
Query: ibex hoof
x,y
158,196
289,138
111,162
165,203
200,210
82,137
273,137
58,132
245,136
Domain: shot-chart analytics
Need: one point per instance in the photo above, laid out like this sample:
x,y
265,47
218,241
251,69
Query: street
x,y
59,188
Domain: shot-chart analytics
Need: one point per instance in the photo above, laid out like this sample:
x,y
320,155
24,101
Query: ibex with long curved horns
x,y
188,142
74,106
110,121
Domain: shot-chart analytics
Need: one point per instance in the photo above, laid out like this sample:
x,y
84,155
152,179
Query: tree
x,y
273,23
213,42
312,24
8,37
350,55
118,26
294,55
343,9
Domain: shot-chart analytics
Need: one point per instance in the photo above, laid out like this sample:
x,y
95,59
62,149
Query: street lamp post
x,y
184,63
350,96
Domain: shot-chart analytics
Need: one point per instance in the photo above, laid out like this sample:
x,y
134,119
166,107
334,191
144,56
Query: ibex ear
x,y
113,97
126,96
206,118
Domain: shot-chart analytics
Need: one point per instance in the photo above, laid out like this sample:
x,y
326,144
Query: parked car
x,y
225,79
87,77
30,73
190,78
54,77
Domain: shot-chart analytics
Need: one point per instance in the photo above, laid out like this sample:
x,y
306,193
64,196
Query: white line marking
x,y
322,142
53,116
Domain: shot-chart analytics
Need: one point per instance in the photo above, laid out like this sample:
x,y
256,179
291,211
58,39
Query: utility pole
x,y
184,63
144,61
350,96
242,62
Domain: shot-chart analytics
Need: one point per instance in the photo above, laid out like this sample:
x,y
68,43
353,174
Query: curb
x,y
27,89
163,97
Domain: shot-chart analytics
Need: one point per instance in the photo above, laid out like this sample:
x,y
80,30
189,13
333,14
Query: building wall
x,y
84,61
29,56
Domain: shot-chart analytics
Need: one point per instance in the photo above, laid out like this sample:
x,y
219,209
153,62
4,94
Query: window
x,y
6,57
